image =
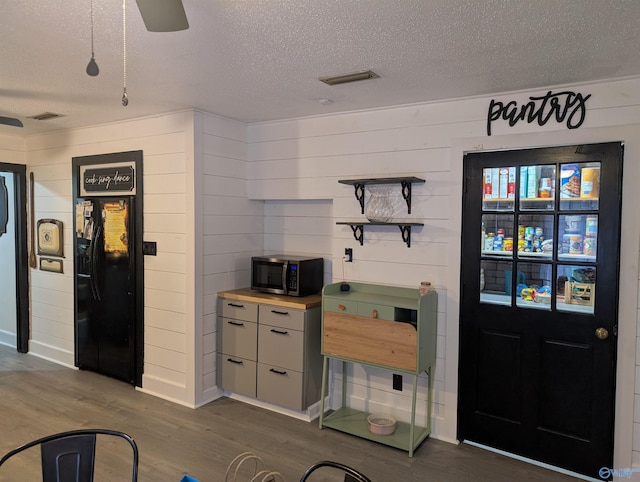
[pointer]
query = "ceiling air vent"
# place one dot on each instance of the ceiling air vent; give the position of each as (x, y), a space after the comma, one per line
(45, 116)
(352, 77)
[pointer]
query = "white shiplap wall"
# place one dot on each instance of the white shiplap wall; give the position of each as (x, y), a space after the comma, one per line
(167, 145)
(231, 226)
(304, 158)
(300, 227)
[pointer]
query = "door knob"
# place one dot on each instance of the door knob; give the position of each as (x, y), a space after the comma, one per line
(375, 314)
(602, 333)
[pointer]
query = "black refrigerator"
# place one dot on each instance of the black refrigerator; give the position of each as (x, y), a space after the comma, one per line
(105, 285)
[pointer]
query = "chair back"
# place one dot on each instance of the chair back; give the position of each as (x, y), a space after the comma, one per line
(350, 474)
(70, 456)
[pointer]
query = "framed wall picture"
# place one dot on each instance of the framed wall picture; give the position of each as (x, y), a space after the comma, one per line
(50, 242)
(51, 264)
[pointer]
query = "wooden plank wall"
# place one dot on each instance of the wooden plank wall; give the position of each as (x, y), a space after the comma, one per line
(232, 227)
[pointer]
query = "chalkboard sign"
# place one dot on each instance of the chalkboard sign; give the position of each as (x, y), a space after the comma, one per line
(108, 179)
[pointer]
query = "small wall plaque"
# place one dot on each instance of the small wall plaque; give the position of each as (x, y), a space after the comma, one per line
(51, 264)
(50, 242)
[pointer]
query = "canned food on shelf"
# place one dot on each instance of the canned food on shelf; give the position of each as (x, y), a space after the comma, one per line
(575, 246)
(508, 244)
(589, 246)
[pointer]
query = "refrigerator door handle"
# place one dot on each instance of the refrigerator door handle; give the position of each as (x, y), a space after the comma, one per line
(93, 265)
(89, 276)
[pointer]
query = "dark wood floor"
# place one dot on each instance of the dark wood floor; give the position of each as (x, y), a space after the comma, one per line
(38, 398)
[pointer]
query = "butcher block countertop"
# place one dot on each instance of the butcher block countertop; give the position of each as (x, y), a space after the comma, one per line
(246, 294)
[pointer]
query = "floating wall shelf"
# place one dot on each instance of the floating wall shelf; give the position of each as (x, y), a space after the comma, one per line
(359, 184)
(405, 182)
(358, 229)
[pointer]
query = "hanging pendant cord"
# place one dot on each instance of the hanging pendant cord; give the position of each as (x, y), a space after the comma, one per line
(125, 99)
(92, 20)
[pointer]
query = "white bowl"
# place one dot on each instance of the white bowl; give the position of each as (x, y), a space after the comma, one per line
(381, 424)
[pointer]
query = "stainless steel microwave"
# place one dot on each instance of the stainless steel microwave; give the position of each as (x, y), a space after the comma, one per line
(287, 275)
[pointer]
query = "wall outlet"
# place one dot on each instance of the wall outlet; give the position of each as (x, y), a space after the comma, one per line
(397, 382)
(348, 255)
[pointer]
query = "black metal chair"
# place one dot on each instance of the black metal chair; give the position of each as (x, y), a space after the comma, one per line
(70, 456)
(350, 474)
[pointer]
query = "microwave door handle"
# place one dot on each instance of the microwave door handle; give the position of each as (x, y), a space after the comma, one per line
(285, 270)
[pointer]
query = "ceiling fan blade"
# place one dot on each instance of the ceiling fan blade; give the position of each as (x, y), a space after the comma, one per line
(163, 15)
(10, 121)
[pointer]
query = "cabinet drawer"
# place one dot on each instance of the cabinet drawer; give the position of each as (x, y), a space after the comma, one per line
(280, 316)
(239, 338)
(280, 386)
(282, 347)
(340, 306)
(240, 310)
(237, 375)
(381, 312)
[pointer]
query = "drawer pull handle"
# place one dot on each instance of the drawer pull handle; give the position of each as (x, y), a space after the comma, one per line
(280, 312)
(235, 305)
(277, 371)
(375, 314)
(279, 332)
(235, 323)
(237, 362)
(342, 307)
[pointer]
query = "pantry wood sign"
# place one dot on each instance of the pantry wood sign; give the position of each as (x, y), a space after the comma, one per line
(563, 107)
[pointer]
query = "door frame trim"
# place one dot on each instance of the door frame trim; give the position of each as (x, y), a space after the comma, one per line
(19, 172)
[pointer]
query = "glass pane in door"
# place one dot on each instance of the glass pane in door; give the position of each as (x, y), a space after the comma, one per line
(495, 282)
(497, 235)
(576, 287)
(579, 186)
(533, 285)
(535, 236)
(537, 187)
(578, 237)
(499, 188)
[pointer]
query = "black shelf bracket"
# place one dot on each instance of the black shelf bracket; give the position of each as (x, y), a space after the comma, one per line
(358, 232)
(358, 229)
(359, 192)
(405, 231)
(406, 194)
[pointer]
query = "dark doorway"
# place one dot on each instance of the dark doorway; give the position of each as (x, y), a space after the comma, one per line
(539, 303)
(18, 217)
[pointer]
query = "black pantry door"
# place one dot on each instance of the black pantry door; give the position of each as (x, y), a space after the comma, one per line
(539, 303)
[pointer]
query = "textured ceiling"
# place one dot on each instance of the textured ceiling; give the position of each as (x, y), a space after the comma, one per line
(256, 60)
